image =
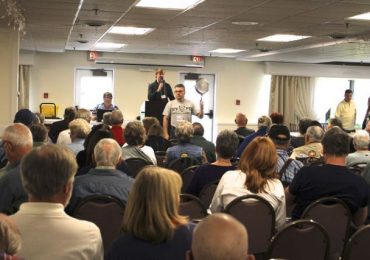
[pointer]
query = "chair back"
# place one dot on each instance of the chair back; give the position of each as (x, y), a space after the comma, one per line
(135, 165)
(180, 164)
(160, 156)
(357, 168)
(186, 176)
(192, 207)
(335, 216)
(258, 216)
(357, 247)
(106, 212)
(301, 239)
(49, 110)
(207, 192)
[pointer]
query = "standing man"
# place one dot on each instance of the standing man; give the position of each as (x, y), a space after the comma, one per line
(179, 110)
(346, 112)
(159, 89)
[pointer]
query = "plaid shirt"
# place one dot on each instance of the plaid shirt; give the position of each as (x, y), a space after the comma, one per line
(292, 169)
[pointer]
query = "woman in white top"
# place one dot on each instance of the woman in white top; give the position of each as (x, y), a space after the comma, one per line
(256, 175)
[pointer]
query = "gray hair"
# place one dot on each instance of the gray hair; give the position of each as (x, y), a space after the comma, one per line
(116, 117)
(315, 134)
(10, 238)
(18, 135)
(226, 144)
(264, 121)
(361, 140)
(107, 152)
(184, 131)
(84, 114)
(47, 169)
(107, 118)
(79, 127)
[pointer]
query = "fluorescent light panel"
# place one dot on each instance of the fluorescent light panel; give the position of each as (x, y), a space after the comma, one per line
(283, 38)
(130, 30)
(109, 45)
(365, 16)
(169, 4)
(226, 50)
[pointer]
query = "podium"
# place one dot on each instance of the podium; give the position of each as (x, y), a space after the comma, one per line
(155, 109)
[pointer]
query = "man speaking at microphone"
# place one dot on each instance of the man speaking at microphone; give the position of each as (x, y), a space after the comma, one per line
(159, 89)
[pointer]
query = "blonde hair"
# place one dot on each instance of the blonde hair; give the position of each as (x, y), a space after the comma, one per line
(259, 161)
(152, 209)
(79, 128)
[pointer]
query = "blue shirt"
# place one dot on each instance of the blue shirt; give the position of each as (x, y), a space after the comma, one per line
(293, 167)
(249, 138)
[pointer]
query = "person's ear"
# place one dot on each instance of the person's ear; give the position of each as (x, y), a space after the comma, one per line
(189, 255)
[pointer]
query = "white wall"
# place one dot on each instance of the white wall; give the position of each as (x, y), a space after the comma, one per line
(54, 73)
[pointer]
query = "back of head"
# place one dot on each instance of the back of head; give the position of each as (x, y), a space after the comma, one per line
(40, 118)
(149, 121)
(198, 129)
(107, 152)
(10, 238)
(361, 140)
(93, 138)
(24, 116)
(79, 128)
(226, 144)
(46, 170)
(135, 133)
(277, 118)
(107, 118)
(280, 135)
(155, 130)
(152, 209)
(258, 161)
(18, 135)
(241, 120)
(304, 123)
(69, 114)
(264, 122)
(39, 132)
(219, 237)
(336, 142)
(314, 134)
(184, 131)
(84, 114)
(116, 117)
(335, 122)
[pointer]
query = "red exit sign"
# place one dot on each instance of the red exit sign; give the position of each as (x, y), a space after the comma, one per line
(197, 58)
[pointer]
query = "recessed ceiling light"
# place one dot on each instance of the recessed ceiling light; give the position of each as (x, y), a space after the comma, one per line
(169, 4)
(365, 16)
(130, 30)
(226, 50)
(109, 45)
(283, 38)
(244, 23)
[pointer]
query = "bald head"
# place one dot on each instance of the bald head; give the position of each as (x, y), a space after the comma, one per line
(241, 120)
(220, 236)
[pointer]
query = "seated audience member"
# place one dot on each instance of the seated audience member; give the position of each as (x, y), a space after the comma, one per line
(361, 144)
(286, 167)
(79, 129)
(134, 146)
(10, 239)
(156, 140)
(148, 122)
(64, 137)
(277, 118)
(241, 122)
(47, 231)
(219, 237)
(331, 179)
(17, 142)
(198, 139)
(264, 124)
(335, 122)
(59, 126)
(107, 118)
(104, 178)
(116, 121)
(40, 118)
(25, 116)
(313, 146)
(39, 134)
(152, 226)
(226, 144)
(256, 175)
(184, 148)
(303, 124)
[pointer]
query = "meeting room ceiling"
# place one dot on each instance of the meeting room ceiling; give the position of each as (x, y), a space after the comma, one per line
(60, 25)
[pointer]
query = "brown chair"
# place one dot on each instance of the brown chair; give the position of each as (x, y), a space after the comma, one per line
(106, 212)
(186, 176)
(135, 165)
(357, 247)
(258, 216)
(180, 164)
(207, 192)
(192, 207)
(300, 240)
(335, 216)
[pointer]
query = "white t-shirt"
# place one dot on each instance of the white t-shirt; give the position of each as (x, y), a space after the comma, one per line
(180, 111)
(232, 185)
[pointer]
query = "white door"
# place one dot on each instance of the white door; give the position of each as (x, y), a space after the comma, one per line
(189, 81)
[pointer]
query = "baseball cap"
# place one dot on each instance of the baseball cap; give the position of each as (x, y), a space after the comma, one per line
(279, 132)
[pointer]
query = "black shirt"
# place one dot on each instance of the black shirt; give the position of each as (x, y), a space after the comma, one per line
(154, 95)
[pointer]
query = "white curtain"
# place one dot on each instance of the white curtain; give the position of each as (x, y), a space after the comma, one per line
(24, 86)
(292, 96)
